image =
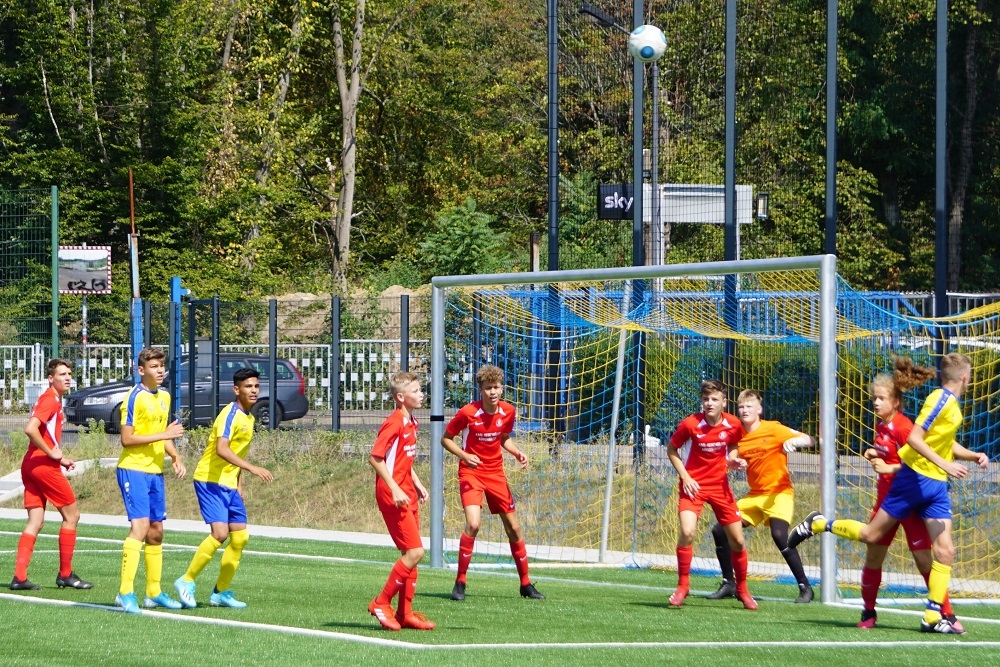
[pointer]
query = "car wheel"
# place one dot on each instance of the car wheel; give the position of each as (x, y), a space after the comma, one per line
(261, 412)
(116, 420)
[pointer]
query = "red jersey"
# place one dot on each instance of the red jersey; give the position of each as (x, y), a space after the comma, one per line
(48, 410)
(485, 433)
(707, 445)
(889, 439)
(397, 444)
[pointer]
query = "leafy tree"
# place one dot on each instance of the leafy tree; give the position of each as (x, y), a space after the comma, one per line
(463, 242)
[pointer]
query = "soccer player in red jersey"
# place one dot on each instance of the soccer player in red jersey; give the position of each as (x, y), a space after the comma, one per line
(43, 479)
(398, 492)
(763, 451)
(708, 437)
(891, 433)
(489, 422)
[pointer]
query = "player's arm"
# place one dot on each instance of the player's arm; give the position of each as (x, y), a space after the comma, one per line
(33, 429)
(132, 439)
(916, 441)
(399, 497)
(175, 458)
(508, 444)
(733, 459)
(690, 486)
(448, 442)
(422, 494)
(963, 454)
(797, 441)
(227, 454)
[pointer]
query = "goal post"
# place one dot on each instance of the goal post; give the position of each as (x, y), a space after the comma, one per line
(619, 310)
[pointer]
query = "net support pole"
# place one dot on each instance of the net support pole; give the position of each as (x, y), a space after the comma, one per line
(612, 446)
(438, 368)
(828, 421)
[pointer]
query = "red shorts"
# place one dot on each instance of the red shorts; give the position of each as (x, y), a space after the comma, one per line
(719, 497)
(473, 485)
(917, 537)
(403, 523)
(44, 481)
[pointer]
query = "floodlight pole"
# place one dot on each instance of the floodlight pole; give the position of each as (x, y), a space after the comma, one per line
(553, 147)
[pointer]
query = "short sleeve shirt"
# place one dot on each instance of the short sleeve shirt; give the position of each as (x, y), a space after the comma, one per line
(396, 443)
(48, 410)
(767, 464)
(147, 412)
(941, 417)
(485, 433)
(236, 426)
(706, 445)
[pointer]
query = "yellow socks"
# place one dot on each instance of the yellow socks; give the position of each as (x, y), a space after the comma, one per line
(154, 569)
(231, 558)
(937, 588)
(130, 564)
(202, 557)
(848, 528)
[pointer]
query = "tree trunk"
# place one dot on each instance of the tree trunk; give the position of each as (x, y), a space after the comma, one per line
(962, 171)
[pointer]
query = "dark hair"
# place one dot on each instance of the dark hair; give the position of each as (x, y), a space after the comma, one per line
(150, 354)
(244, 374)
(711, 387)
(50, 368)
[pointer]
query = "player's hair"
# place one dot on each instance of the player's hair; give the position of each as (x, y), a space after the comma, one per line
(711, 387)
(50, 368)
(750, 394)
(399, 381)
(954, 366)
(244, 374)
(150, 354)
(905, 376)
(489, 374)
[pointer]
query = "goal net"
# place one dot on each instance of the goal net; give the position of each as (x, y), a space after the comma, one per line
(603, 364)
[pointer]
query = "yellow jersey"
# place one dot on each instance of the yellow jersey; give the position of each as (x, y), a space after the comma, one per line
(941, 417)
(237, 427)
(147, 412)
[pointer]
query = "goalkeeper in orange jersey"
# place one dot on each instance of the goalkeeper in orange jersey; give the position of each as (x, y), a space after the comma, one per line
(921, 486)
(763, 452)
(489, 423)
(707, 438)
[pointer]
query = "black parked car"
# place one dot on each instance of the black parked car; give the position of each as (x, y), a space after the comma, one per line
(104, 402)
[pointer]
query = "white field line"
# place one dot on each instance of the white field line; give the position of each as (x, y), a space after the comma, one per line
(392, 643)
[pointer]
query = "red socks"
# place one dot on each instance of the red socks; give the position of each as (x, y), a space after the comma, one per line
(684, 556)
(395, 583)
(67, 542)
(740, 559)
(25, 546)
(465, 545)
(871, 579)
(520, 554)
(406, 595)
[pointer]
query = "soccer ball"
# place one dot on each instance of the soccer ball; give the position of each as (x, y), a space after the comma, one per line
(647, 43)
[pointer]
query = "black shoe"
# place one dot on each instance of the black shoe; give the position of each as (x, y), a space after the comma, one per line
(805, 594)
(802, 531)
(458, 591)
(868, 619)
(530, 591)
(23, 585)
(727, 589)
(73, 581)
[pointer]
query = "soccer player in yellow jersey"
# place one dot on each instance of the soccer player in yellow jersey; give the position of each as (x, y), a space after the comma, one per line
(218, 483)
(146, 436)
(763, 453)
(920, 486)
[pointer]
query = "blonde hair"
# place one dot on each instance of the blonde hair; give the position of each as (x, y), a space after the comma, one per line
(489, 374)
(954, 366)
(400, 380)
(905, 376)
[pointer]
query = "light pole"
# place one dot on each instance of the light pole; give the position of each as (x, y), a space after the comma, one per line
(605, 20)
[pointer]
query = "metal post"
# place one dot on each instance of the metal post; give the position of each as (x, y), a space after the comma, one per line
(730, 303)
(215, 356)
(438, 366)
(192, 363)
(272, 363)
(638, 75)
(656, 238)
(831, 127)
(335, 364)
(612, 447)
(404, 332)
(83, 341)
(828, 421)
(174, 347)
(941, 306)
(552, 9)
(54, 245)
(476, 356)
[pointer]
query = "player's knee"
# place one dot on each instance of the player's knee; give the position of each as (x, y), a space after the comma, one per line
(471, 528)
(719, 534)
(220, 534)
(239, 538)
(71, 515)
(154, 535)
(413, 556)
(944, 553)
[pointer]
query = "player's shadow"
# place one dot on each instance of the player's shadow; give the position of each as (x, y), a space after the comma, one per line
(358, 626)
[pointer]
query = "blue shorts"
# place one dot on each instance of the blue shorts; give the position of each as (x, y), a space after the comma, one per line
(144, 495)
(913, 492)
(220, 504)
